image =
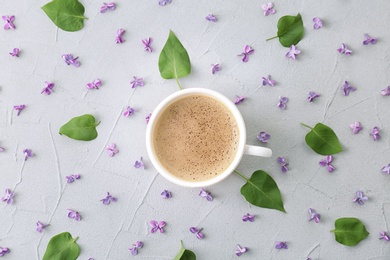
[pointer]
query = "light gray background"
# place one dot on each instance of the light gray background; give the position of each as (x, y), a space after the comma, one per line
(107, 231)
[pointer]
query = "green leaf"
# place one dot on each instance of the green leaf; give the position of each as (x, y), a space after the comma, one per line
(262, 191)
(80, 128)
(349, 231)
(62, 247)
(185, 254)
(68, 15)
(174, 61)
(290, 30)
(323, 140)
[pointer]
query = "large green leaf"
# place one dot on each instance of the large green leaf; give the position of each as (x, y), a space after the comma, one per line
(81, 128)
(290, 30)
(349, 231)
(62, 247)
(323, 140)
(185, 254)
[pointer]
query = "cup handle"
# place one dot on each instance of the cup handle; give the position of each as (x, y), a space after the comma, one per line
(257, 151)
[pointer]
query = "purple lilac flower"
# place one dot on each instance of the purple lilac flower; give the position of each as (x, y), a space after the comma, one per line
(268, 9)
(139, 164)
(263, 137)
(312, 96)
(215, 67)
(268, 81)
(19, 108)
(74, 214)
(15, 52)
(112, 150)
(157, 226)
(238, 100)
(369, 39)
(41, 226)
(344, 50)
(166, 194)
(147, 118)
(72, 178)
(119, 39)
(282, 161)
(347, 88)
(247, 51)
(164, 2)
(375, 133)
(317, 23)
(384, 236)
(107, 6)
(2, 149)
(281, 245)
(95, 84)
(27, 153)
(9, 22)
(48, 89)
(211, 18)
(129, 111)
(8, 197)
(241, 250)
(146, 42)
(196, 231)
(68, 58)
(386, 91)
(205, 194)
(4, 251)
(314, 215)
(327, 162)
(134, 248)
(360, 198)
(356, 127)
(137, 82)
(248, 217)
(293, 51)
(386, 169)
(108, 199)
(282, 102)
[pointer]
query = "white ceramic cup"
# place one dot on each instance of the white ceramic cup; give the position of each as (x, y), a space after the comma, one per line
(242, 148)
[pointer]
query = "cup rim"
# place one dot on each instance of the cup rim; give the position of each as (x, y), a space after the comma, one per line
(186, 92)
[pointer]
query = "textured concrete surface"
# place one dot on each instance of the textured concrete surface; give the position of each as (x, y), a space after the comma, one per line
(41, 191)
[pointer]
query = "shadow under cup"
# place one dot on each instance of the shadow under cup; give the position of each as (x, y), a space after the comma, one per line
(179, 105)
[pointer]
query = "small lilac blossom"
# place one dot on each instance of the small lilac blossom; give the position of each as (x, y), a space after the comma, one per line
(4, 251)
(248, 217)
(9, 22)
(137, 82)
(247, 51)
(134, 248)
(360, 198)
(386, 169)
(15, 52)
(119, 39)
(268, 9)
(108, 199)
(356, 127)
(384, 236)
(8, 197)
(369, 39)
(147, 118)
(314, 215)
(205, 194)
(282, 102)
(95, 84)
(281, 245)
(293, 51)
(68, 58)
(196, 231)
(241, 250)
(164, 2)
(74, 214)
(268, 81)
(71, 178)
(129, 111)
(263, 137)
(139, 164)
(344, 50)
(19, 108)
(27, 153)
(238, 100)
(327, 162)
(312, 96)
(166, 194)
(112, 150)
(146, 42)
(41, 226)
(211, 18)
(215, 67)
(347, 88)
(386, 91)
(49, 88)
(317, 23)
(107, 6)
(157, 226)
(282, 161)
(2, 149)
(375, 133)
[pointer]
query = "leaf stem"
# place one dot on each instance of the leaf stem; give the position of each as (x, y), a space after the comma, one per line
(98, 123)
(241, 175)
(178, 83)
(272, 38)
(74, 240)
(306, 126)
